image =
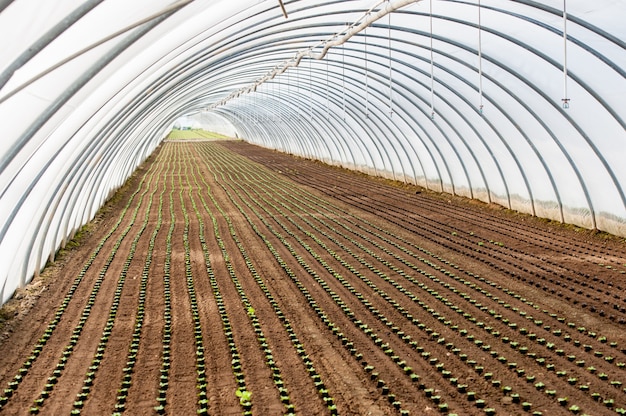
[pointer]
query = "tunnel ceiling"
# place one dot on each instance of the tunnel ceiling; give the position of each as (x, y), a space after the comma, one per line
(509, 102)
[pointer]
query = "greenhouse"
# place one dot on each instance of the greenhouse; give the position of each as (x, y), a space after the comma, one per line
(313, 207)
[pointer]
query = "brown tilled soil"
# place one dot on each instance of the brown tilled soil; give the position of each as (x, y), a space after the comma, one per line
(336, 293)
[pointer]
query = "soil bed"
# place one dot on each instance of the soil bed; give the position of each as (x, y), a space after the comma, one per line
(226, 279)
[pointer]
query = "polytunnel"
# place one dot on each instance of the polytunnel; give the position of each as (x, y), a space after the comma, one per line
(508, 102)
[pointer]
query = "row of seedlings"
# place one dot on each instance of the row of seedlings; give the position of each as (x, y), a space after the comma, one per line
(335, 329)
(601, 286)
(531, 378)
(434, 336)
(133, 348)
(52, 325)
(96, 361)
(69, 348)
(321, 388)
(242, 393)
(166, 350)
(570, 380)
(592, 334)
(450, 346)
(261, 339)
(443, 406)
(480, 254)
(551, 346)
(614, 382)
(201, 379)
(519, 371)
(433, 361)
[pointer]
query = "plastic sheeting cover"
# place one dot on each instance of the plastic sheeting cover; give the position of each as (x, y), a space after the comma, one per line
(457, 96)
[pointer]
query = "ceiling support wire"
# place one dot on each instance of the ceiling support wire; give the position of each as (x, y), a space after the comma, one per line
(343, 80)
(289, 114)
(565, 98)
(254, 114)
(298, 91)
(432, 66)
(280, 100)
(480, 61)
(311, 89)
(275, 98)
(390, 69)
(367, 104)
(327, 89)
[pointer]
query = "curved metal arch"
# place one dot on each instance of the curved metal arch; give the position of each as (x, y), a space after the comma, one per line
(80, 82)
(267, 103)
(386, 159)
(451, 175)
(467, 176)
(591, 206)
(46, 38)
(575, 125)
(577, 42)
(536, 116)
(457, 133)
(381, 96)
(110, 151)
(573, 18)
(344, 146)
(360, 70)
(355, 82)
(459, 114)
(322, 120)
(270, 102)
(4, 4)
(353, 134)
(267, 131)
(42, 119)
(381, 157)
(355, 109)
(505, 114)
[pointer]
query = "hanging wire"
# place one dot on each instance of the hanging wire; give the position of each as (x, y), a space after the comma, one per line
(298, 90)
(343, 80)
(432, 65)
(255, 114)
(280, 100)
(565, 98)
(272, 116)
(390, 73)
(480, 60)
(327, 92)
(311, 88)
(367, 110)
(287, 115)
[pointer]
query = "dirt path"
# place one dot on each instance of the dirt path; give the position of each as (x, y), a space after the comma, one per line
(232, 279)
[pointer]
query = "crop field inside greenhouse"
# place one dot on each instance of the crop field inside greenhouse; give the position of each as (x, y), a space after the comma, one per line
(229, 279)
